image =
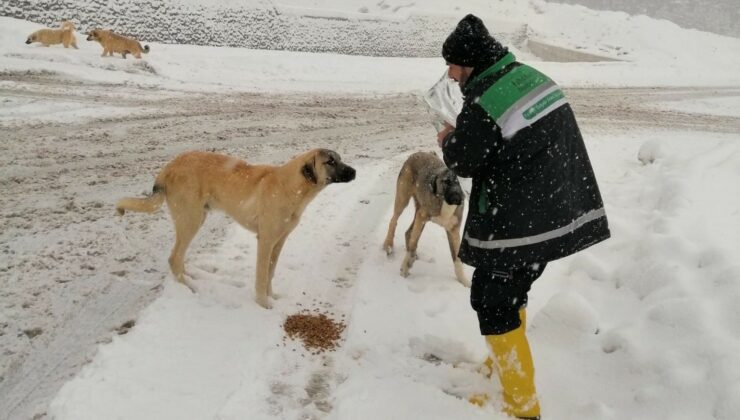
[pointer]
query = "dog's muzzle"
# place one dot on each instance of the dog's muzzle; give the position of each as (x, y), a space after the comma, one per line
(28, 41)
(345, 174)
(89, 38)
(454, 198)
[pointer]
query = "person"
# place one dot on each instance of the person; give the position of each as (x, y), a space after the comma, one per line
(534, 196)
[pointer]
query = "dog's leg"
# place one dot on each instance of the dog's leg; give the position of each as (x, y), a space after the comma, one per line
(403, 195)
(453, 238)
(265, 247)
(273, 263)
(187, 219)
(412, 240)
(402, 200)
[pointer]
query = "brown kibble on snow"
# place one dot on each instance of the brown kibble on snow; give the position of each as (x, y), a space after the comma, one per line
(318, 332)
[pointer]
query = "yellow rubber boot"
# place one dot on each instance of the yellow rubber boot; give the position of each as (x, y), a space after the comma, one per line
(487, 368)
(513, 364)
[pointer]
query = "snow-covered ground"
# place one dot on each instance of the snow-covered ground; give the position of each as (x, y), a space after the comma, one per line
(642, 326)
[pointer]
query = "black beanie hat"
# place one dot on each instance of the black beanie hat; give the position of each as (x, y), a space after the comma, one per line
(470, 44)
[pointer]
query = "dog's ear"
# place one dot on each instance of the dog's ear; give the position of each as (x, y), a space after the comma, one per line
(309, 173)
(434, 185)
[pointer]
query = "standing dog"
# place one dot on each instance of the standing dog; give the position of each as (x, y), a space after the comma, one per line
(437, 197)
(267, 200)
(65, 36)
(112, 42)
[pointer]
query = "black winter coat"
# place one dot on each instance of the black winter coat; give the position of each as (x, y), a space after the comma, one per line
(534, 196)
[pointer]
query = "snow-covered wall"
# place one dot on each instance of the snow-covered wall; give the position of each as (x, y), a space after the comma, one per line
(254, 24)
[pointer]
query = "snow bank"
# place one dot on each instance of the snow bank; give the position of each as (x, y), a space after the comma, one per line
(221, 69)
(651, 53)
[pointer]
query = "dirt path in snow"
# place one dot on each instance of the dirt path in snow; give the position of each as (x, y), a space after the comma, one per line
(64, 255)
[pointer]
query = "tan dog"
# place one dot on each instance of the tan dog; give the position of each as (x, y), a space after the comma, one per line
(267, 200)
(114, 43)
(65, 36)
(437, 197)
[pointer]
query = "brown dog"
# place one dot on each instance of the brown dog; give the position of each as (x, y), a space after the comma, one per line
(65, 36)
(267, 200)
(437, 197)
(112, 42)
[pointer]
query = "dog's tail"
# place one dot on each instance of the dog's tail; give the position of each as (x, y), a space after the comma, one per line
(143, 205)
(145, 50)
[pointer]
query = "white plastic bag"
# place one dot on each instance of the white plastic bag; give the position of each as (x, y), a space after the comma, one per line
(444, 102)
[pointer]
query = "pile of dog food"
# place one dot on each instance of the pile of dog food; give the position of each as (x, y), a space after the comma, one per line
(317, 331)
